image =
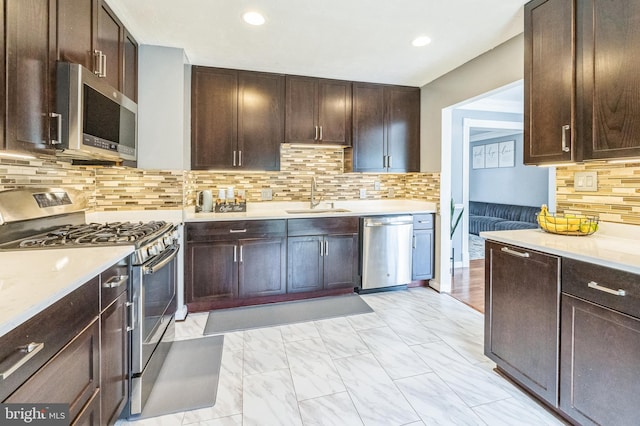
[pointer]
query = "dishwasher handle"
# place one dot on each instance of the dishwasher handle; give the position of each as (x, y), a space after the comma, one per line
(388, 221)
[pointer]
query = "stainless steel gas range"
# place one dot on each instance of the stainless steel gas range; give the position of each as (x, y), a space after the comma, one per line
(52, 218)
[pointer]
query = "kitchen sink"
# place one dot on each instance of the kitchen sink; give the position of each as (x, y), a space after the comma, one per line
(306, 211)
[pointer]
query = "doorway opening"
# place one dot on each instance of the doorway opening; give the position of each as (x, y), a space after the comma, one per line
(484, 148)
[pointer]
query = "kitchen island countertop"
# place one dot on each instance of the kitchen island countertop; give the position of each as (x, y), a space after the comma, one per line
(613, 245)
(32, 280)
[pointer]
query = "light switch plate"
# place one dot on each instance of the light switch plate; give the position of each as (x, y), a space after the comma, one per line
(363, 193)
(585, 181)
(376, 185)
(266, 194)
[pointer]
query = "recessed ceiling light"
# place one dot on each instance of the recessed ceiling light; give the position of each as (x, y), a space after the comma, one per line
(421, 41)
(253, 18)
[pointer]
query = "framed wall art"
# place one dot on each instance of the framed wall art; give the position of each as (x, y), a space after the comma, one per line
(506, 154)
(478, 157)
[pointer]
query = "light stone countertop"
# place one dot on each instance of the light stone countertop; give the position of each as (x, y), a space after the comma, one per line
(32, 280)
(278, 210)
(613, 245)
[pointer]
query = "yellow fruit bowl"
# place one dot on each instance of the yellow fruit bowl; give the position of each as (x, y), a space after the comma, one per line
(567, 224)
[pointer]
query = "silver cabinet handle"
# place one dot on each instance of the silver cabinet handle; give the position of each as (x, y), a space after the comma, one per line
(58, 118)
(384, 161)
(315, 138)
(513, 252)
(414, 241)
(321, 248)
(320, 132)
(237, 231)
(594, 285)
(565, 147)
(241, 259)
(235, 254)
(239, 158)
(115, 281)
(23, 354)
(132, 315)
(234, 158)
(326, 248)
(97, 54)
(389, 161)
(104, 65)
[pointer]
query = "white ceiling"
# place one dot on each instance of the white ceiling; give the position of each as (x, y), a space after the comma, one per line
(360, 40)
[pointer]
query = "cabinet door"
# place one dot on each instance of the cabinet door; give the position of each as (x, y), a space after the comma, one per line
(211, 271)
(340, 261)
(75, 31)
(521, 321)
(422, 254)
(599, 372)
(334, 112)
(30, 61)
(114, 346)
(214, 119)
(301, 109)
(71, 377)
(610, 78)
(368, 128)
(109, 41)
(130, 51)
(549, 81)
(305, 256)
(402, 126)
(260, 120)
(262, 267)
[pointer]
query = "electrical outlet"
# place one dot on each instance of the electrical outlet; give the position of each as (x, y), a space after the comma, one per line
(363, 193)
(376, 185)
(391, 193)
(266, 194)
(585, 181)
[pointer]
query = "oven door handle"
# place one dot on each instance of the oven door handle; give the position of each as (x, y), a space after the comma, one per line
(162, 261)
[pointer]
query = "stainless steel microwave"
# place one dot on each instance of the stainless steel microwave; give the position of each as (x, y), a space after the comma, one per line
(95, 121)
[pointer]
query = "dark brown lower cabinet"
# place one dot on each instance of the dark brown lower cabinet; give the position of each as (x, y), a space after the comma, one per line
(228, 262)
(71, 377)
(599, 369)
(114, 348)
(322, 254)
(522, 290)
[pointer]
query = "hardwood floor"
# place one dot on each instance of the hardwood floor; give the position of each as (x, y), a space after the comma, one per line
(468, 285)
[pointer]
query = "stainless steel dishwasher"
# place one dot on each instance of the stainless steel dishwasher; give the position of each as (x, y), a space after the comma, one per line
(386, 251)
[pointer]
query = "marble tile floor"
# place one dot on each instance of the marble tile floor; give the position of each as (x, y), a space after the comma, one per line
(417, 360)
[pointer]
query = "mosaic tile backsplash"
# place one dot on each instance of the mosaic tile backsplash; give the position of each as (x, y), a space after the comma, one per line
(121, 188)
(617, 198)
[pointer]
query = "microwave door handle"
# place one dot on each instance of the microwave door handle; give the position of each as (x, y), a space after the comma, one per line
(58, 118)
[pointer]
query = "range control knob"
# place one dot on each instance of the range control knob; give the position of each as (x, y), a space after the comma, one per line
(153, 250)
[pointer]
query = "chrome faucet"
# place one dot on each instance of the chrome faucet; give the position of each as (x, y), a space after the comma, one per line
(314, 188)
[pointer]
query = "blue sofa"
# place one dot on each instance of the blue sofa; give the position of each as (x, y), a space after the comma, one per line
(500, 217)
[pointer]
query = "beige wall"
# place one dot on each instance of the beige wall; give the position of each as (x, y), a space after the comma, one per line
(493, 69)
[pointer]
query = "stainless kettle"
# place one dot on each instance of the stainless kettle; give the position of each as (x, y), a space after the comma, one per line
(204, 201)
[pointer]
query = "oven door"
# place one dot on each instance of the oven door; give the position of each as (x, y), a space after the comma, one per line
(153, 297)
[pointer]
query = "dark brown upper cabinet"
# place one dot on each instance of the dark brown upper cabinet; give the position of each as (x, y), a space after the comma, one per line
(237, 119)
(90, 34)
(386, 128)
(30, 74)
(130, 66)
(609, 60)
(317, 111)
(581, 81)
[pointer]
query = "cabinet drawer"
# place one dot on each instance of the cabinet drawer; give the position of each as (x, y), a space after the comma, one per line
(422, 221)
(225, 230)
(592, 282)
(71, 377)
(322, 225)
(113, 282)
(54, 327)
